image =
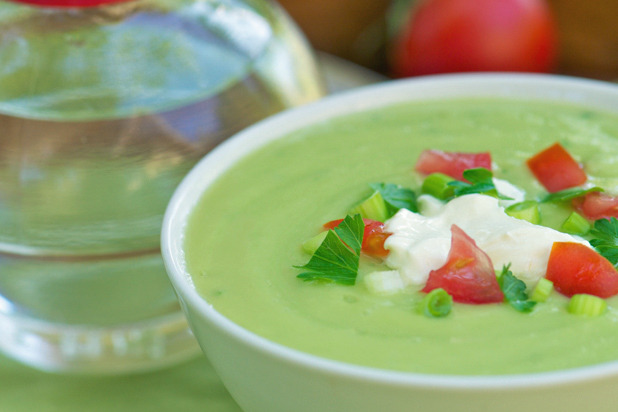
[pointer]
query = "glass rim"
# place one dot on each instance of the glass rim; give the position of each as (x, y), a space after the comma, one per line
(69, 3)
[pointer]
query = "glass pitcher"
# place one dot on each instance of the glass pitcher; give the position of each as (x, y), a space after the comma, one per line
(104, 107)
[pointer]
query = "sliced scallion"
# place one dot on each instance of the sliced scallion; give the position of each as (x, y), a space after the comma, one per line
(311, 245)
(586, 305)
(542, 290)
(576, 224)
(373, 208)
(526, 210)
(436, 304)
(437, 185)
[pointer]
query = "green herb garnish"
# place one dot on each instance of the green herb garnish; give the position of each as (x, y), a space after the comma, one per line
(514, 291)
(436, 304)
(374, 208)
(527, 210)
(311, 245)
(586, 305)
(605, 241)
(337, 257)
(569, 194)
(542, 290)
(575, 224)
(437, 185)
(396, 197)
(481, 181)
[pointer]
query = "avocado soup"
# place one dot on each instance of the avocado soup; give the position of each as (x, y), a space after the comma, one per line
(245, 236)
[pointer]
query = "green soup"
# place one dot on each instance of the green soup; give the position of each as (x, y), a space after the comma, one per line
(245, 235)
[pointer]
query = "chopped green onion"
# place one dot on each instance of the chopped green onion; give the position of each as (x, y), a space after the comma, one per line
(576, 224)
(527, 210)
(586, 305)
(571, 193)
(373, 208)
(437, 185)
(311, 245)
(436, 304)
(542, 290)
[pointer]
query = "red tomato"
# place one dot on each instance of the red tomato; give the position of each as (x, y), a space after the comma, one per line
(468, 275)
(555, 169)
(575, 268)
(445, 36)
(374, 237)
(597, 205)
(452, 164)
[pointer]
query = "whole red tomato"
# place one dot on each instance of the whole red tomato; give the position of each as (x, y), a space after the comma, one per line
(446, 36)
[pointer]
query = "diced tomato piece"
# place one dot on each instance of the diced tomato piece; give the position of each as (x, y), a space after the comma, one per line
(597, 205)
(374, 237)
(575, 268)
(556, 169)
(452, 164)
(468, 275)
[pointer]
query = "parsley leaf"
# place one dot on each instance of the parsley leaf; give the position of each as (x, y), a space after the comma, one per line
(351, 231)
(337, 257)
(396, 197)
(568, 194)
(514, 291)
(605, 240)
(481, 181)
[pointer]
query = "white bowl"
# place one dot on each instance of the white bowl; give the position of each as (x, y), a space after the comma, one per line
(265, 376)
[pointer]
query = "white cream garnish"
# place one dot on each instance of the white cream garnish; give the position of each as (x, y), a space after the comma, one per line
(421, 243)
(387, 282)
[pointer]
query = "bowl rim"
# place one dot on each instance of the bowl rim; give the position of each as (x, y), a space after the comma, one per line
(519, 85)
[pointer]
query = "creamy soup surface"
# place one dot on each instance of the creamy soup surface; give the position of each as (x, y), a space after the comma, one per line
(245, 236)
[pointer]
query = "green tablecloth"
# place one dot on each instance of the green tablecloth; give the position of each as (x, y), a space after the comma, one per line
(192, 386)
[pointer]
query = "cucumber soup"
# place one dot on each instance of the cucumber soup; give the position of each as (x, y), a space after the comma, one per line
(244, 238)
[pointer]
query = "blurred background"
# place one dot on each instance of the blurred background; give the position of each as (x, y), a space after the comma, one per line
(365, 31)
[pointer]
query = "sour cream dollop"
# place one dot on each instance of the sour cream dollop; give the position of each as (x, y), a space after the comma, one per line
(420, 244)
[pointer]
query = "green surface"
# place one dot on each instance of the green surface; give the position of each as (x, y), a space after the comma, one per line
(192, 386)
(247, 231)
